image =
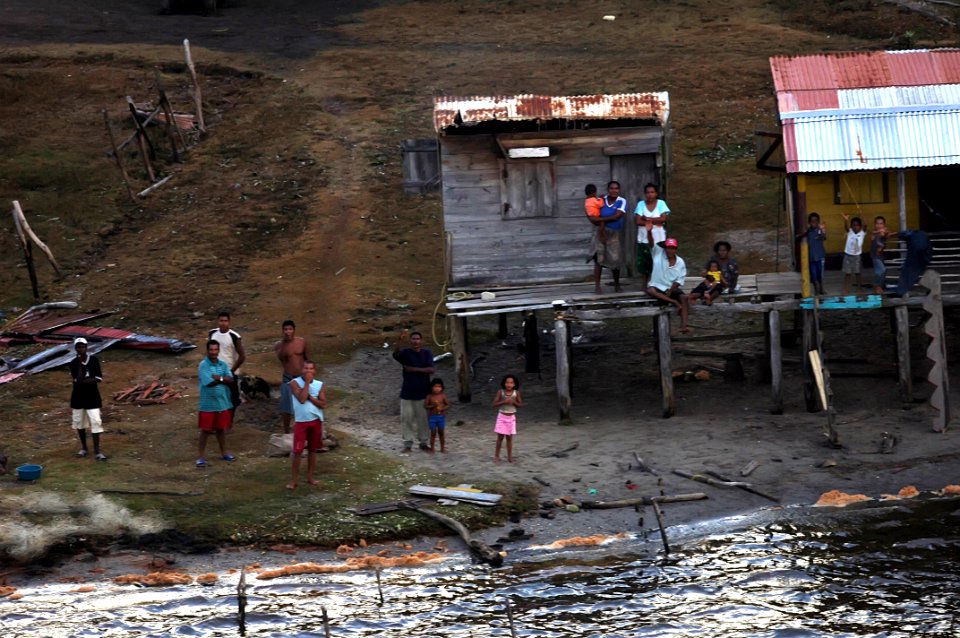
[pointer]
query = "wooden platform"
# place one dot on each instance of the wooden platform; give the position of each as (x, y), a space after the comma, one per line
(468, 302)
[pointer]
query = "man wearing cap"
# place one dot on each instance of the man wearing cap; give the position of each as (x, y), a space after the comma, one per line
(85, 399)
(669, 274)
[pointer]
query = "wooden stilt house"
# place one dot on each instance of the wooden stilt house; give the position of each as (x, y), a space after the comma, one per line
(513, 172)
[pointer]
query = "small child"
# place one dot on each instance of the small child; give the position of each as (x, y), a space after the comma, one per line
(591, 206)
(437, 405)
(878, 244)
(815, 236)
(852, 251)
(508, 400)
(713, 282)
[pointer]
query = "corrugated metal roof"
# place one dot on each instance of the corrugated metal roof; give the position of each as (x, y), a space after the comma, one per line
(869, 111)
(455, 111)
(884, 141)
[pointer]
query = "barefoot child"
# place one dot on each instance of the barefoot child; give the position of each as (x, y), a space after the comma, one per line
(878, 244)
(309, 399)
(508, 400)
(816, 236)
(852, 251)
(437, 405)
(709, 289)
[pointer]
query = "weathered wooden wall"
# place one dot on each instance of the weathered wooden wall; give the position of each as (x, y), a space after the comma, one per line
(487, 249)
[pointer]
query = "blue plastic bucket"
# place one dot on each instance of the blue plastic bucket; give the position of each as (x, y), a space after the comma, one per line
(29, 472)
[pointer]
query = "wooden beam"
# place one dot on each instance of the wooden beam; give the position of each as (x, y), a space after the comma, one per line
(809, 343)
(561, 333)
(662, 323)
(116, 156)
(904, 374)
(458, 344)
(902, 198)
(197, 94)
(27, 255)
(776, 363)
(24, 226)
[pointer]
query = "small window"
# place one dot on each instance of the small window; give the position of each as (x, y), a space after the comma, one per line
(861, 188)
(528, 188)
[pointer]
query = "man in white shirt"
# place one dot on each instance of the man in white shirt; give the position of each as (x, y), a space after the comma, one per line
(231, 351)
(669, 274)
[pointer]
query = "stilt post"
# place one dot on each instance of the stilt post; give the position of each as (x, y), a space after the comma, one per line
(502, 326)
(904, 372)
(666, 372)
(809, 343)
(561, 333)
(458, 343)
(776, 362)
(531, 343)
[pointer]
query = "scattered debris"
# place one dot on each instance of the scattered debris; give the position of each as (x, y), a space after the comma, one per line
(561, 454)
(643, 467)
(584, 541)
(720, 481)
(748, 469)
(147, 393)
(155, 579)
(541, 481)
(483, 551)
(905, 492)
(354, 563)
(459, 494)
(888, 442)
(836, 498)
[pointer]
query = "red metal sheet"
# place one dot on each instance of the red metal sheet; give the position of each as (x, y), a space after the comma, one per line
(39, 325)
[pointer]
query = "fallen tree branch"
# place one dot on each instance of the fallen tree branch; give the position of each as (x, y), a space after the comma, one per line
(483, 551)
(643, 500)
(159, 492)
(700, 478)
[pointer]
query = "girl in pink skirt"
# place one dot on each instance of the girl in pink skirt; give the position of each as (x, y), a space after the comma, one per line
(508, 400)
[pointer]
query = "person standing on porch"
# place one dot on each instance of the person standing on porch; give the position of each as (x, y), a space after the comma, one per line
(651, 214)
(418, 367)
(605, 247)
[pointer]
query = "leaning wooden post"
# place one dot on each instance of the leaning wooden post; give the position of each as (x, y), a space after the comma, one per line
(27, 255)
(142, 141)
(666, 372)
(561, 332)
(197, 95)
(171, 123)
(25, 228)
(116, 156)
(809, 343)
(458, 343)
(776, 362)
(904, 372)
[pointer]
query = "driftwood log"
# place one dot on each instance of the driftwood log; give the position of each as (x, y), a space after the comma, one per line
(483, 551)
(723, 482)
(642, 500)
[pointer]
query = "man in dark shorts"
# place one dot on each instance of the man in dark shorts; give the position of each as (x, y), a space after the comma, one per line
(417, 363)
(215, 407)
(292, 352)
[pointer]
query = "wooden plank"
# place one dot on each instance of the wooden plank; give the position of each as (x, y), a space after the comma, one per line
(561, 333)
(461, 178)
(469, 144)
(476, 498)
(468, 162)
(904, 374)
(565, 139)
(666, 372)
(641, 147)
(776, 362)
(934, 328)
(458, 345)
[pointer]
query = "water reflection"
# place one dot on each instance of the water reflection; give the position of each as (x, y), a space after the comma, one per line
(891, 579)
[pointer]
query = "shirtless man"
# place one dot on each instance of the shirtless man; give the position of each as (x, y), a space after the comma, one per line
(292, 352)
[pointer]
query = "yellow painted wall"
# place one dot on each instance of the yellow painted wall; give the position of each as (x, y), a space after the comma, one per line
(820, 199)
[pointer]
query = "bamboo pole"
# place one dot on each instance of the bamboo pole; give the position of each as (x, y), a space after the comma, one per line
(25, 227)
(904, 373)
(561, 333)
(116, 156)
(662, 323)
(776, 362)
(197, 94)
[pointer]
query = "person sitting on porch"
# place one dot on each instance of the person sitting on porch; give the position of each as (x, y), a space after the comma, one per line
(669, 273)
(728, 266)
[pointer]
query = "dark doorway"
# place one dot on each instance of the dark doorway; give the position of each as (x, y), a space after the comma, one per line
(633, 172)
(939, 208)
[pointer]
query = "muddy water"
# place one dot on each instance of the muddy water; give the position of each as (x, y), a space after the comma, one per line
(886, 577)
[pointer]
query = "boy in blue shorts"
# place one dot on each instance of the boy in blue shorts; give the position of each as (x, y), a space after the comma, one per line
(437, 404)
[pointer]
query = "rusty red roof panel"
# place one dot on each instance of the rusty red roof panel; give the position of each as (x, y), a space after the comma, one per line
(33, 325)
(456, 111)
(864, 70)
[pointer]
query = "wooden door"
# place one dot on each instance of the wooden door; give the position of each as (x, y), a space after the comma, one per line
(633, 172)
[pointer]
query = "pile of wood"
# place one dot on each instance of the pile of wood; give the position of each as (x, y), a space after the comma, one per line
(147, 393)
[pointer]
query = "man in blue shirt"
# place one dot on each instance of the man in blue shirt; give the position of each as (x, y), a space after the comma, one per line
(215, 407)
(605, 246)
(418, 367)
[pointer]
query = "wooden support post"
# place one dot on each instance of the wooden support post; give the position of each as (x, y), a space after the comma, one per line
(561, 332)
(764, 372)
(458, 343)
(902, 199)
(24, 226)
(666, 372)
(27, 255)
(502, 326)
(904, 371)
(531, 343)
(776, 362)
(171, 123)
(809, 343)
(142, 142)
(116, 156)
(197, 94)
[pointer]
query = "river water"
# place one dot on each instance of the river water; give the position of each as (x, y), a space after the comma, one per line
(888, 576)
